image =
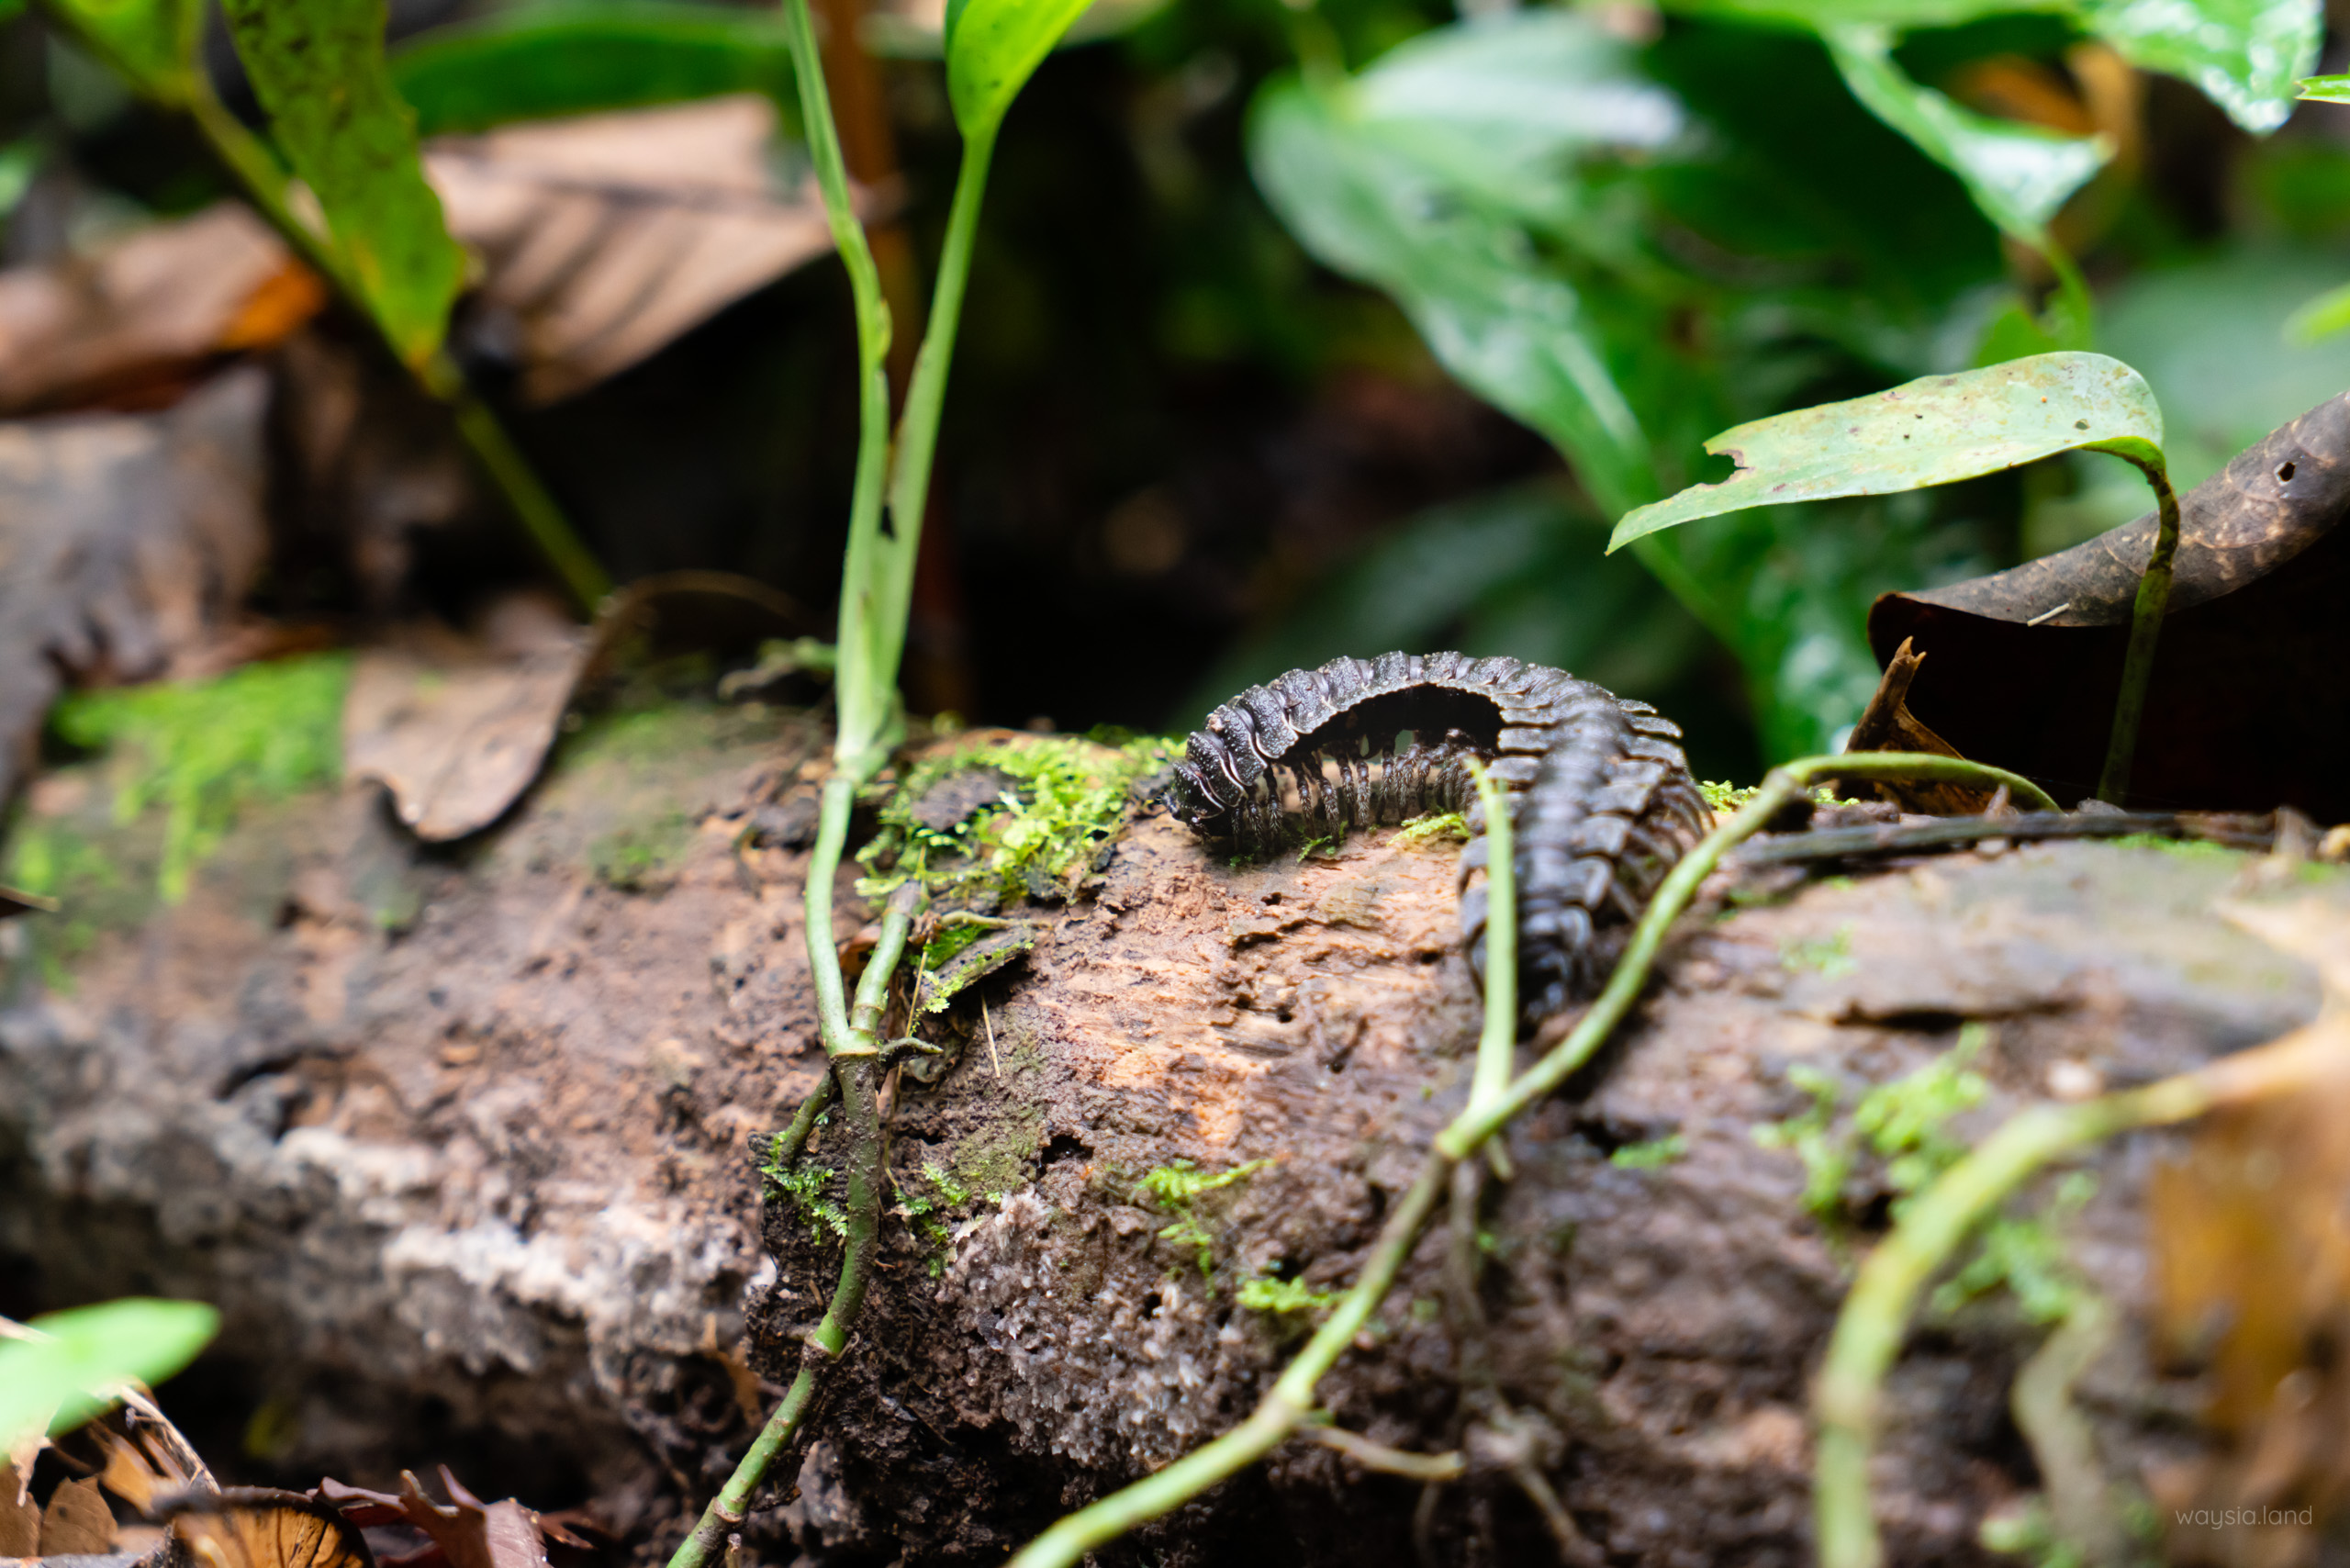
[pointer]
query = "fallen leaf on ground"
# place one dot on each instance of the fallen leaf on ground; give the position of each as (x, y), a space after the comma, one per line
(456, 730)
(2252, 1276)
(604, 236)
(2245, 708)
(469, 1532)
(135, 322)
(1886, 724)
(127, 542)
(77, 1521)
(251, 1527)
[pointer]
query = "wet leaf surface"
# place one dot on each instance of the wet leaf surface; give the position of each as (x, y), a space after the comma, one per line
(2245, 708)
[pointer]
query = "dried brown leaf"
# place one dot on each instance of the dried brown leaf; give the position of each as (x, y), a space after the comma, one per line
(77, 1521)
(19, 1519)
(257, 1528)
(136, 322)
(469, 1532)
(457, 732)
(2251, 1254)
(605, 236)
(2245, 708)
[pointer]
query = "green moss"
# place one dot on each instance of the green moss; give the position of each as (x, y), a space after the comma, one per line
(995, 1161)
(951, 1191)
(806, 1189)
(1068, 797)
(1176, 1189)
(1828, 956)
(2025, 1255)
(2185, 849)
(1283, 1296)
(1902, 1123)
(642, 855)
(1435, 824)
(201, 754)
(1651, 1155)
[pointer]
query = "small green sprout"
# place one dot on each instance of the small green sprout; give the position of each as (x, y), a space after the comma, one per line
(1176, 1188)
(1433, 824)
(1283, 1296)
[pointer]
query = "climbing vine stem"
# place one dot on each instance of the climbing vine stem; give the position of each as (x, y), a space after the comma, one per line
(1291, 1402)
(1877, 1313)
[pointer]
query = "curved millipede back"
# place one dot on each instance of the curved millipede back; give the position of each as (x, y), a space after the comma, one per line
(1601, 798)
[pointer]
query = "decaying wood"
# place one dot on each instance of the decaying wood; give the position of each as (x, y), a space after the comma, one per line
(462, 1145)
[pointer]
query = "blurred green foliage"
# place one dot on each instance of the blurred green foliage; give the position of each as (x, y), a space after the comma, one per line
(1626, 227)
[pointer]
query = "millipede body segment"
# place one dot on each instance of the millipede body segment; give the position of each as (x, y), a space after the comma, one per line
(1599, 792)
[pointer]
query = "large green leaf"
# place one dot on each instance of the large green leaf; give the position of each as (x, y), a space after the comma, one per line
(1931, 432)
(151, 42)
(59, 1380)
(1517, 334)
(2017, 174)
(318, 68)
(577, 59)
(2243, 54)
(992, 48)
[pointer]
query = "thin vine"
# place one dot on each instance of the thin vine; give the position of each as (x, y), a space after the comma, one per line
(1291, 1402)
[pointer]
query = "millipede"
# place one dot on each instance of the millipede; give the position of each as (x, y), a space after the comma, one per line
(1599, 792)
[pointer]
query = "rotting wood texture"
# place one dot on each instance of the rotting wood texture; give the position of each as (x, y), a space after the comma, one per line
(463, 1146)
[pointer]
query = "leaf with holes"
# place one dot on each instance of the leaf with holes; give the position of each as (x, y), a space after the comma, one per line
(1934, 430)
(318, 68)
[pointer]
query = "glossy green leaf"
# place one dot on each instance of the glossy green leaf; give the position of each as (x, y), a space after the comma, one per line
(318, 67)
(56, 1381)
(2243, 54)
(547, 62)
(1517, 335)
(2325, 89)
(912, 35)
(1935, 430)
(2017, 174)
(151, 42)
(992, 48)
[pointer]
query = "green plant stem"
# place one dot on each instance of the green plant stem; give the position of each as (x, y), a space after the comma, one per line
(1291, 1402)
(855, 1063)
(501, 462)
(1497, 1048)
(1780, 787)
(876, 580)
(1876, 1314)
(2145, 628)
(864, 684)
(1276, 1417)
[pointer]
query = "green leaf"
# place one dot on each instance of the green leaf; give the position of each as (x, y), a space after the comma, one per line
(318, 68)
(2325, 89)
(2243, 54)
(992, 48)
(2017, 174)
(1363, 202)
(2320, 318)
(581, 58)
(151, 42)
(54, 1384)
(1931, 432)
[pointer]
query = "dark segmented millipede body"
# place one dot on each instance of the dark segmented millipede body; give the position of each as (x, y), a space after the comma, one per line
(1600, 796)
